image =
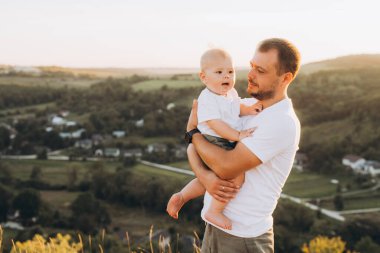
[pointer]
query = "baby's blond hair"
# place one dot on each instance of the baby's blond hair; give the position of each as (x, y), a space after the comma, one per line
(212, 54)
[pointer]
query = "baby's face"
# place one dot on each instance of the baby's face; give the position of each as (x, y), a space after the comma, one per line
(219, 76)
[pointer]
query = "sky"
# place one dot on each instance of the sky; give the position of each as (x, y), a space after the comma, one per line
(174, 33)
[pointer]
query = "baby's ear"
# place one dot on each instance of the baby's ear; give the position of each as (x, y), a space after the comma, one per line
(202, 76)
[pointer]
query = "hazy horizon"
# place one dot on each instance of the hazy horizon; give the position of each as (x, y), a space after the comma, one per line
(172, 34)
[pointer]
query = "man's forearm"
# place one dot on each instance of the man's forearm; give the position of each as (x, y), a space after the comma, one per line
(227, 164)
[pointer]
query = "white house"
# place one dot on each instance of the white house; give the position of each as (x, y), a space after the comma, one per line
(58, 121)
(136, 152)
(180, 151)
(70, 123)
(300, 160)
(170, 106)
(156, 148)
(65, 135)
(111, 152)
(372, 168)
(118, 134)
(78, 133)
(353, 161)
(99, 152)
(139, 123)
(85, 144)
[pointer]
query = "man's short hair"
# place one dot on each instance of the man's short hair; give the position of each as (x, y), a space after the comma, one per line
(289, 58)
(211, 54)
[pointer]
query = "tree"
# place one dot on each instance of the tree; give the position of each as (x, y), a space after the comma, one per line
(4, 138)
(5, 172)
(42, 154)
(338, 202)
(88, 213)
(367, 245)
(72, 176)
(28, 202)
(5, 200)
(353, 229)
(36, 173)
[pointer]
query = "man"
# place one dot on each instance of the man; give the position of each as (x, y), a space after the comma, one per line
(266, 157)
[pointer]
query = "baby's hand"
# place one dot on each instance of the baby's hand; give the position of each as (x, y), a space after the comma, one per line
(246, 133)
(256, 108)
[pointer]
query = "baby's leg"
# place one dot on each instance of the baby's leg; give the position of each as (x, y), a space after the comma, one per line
(215, 213)
(192, 190)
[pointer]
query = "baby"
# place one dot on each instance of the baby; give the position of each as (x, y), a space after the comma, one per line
(219, 107)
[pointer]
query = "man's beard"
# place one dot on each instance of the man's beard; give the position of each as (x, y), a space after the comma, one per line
(264, 95)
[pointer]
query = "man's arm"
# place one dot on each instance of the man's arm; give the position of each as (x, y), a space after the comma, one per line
(219, 189)
(227, 164)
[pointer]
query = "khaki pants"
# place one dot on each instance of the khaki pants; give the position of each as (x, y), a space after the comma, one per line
(217, 241)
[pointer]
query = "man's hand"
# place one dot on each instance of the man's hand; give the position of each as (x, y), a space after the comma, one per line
(193, 118)
(222, 190)
(219, 189)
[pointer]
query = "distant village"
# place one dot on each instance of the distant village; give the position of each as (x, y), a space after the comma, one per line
(97, 146)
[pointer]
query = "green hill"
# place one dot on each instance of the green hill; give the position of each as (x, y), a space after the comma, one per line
(345, 62)
(338, 110)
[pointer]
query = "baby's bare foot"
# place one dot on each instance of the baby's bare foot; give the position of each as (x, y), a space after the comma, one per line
(218, 219)
(175, 204)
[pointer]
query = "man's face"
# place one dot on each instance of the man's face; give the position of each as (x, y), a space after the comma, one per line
(263, 80)
(219, 76)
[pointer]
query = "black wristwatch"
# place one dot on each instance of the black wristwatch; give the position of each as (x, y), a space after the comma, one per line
(189, 135)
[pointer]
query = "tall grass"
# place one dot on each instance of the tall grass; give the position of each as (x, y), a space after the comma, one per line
(65, 244)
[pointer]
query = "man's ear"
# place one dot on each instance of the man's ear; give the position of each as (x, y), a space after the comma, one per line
(287, 78)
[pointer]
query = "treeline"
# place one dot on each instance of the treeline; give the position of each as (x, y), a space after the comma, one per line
(17, 96)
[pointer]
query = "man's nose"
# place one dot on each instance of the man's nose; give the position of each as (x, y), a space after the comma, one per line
(251, 73)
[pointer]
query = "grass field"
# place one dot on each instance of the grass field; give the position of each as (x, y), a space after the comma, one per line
(54, 172)
(157, 84)
(182, 165)
(151, 171)
(312, 185)
(362, 201)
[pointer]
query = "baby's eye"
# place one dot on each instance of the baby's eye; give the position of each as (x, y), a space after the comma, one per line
(231, 72)
(218, 72)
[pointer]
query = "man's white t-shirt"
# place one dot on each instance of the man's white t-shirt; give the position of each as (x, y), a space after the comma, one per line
(213, 106)
(275, 142)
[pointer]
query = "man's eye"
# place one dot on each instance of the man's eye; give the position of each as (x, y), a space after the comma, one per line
(260, 71)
